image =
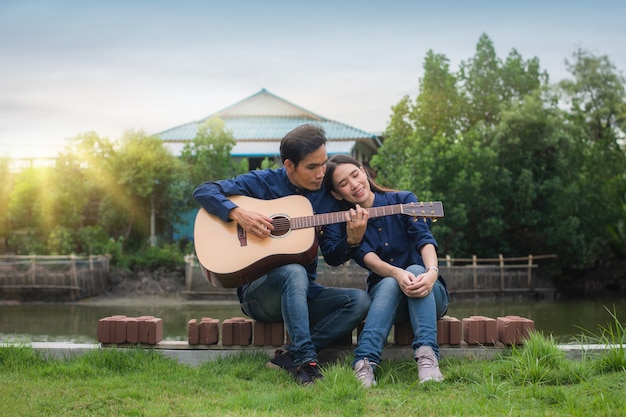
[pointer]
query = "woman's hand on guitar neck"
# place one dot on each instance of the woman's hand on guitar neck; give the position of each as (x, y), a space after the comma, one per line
(356, 224)
(252, 222)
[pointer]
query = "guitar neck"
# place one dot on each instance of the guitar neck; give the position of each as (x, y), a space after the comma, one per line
(339, 216)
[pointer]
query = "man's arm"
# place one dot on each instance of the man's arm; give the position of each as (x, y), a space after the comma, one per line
(213, 197)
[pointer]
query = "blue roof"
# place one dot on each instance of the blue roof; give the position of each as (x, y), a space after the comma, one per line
(252, 149)
(267, 128)
(263, 119)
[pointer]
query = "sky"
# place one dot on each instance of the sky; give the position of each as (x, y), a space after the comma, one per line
(69, 67)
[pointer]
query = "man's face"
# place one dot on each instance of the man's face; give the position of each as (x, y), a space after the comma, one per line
(309, 174)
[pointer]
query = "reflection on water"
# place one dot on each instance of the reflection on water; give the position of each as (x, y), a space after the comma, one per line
(77, 322)
(562, 319)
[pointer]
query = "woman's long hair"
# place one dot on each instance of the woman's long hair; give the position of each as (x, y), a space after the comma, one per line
(337, 160)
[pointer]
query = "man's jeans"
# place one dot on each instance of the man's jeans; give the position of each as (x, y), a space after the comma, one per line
(390, 305)
(312, 324)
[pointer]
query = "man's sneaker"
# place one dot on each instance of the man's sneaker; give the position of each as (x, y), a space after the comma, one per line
(365, 372)
(281, 360)
(308, 373)
(427, 365)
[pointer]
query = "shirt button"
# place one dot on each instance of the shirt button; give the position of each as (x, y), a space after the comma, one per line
(380, 229)
(386, 243)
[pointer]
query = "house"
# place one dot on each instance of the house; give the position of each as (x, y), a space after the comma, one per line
(259, 122)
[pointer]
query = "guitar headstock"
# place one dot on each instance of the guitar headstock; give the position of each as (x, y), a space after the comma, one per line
(424, 210)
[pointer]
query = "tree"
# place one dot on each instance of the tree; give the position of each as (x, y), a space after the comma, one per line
(5, 194)
(208, 154)
(207, 157)
(29, 209)
(393, 160)
(143, 171)
(127, 182)
(493, 145)
(596, 96)
(438, 107)
(542, 204)
(481, 83)
(435, 113)
(597, 101)
(490, 85)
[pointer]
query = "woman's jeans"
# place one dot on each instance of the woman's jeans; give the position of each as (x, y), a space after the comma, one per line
(312, 324)
(390, 305)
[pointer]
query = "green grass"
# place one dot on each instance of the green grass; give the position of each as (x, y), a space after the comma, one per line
(536, 379)
(612, 335)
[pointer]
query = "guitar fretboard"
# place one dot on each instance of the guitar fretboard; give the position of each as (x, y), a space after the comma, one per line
(410, 209)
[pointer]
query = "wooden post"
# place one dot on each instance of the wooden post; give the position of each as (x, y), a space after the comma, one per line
(189, 267)
(501, 273)
(33, 267)
(530, 272)
(73, 272)
(475, 267)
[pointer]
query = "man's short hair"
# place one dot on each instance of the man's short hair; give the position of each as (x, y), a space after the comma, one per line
(301, 141)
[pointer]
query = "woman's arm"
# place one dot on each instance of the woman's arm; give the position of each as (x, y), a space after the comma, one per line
(423, 283)
(411, 285)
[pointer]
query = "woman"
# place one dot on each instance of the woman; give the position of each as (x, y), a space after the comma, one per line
(401, 256)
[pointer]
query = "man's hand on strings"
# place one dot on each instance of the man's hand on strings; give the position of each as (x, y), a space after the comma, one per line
(252, 222)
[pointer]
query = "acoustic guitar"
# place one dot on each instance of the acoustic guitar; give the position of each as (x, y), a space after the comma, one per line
(230, 258)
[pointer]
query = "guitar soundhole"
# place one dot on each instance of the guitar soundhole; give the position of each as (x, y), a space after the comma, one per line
(282, 226)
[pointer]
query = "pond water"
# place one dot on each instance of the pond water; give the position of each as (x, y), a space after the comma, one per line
(77, 322)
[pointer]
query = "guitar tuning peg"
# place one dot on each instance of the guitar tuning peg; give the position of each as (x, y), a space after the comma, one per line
(435, 220)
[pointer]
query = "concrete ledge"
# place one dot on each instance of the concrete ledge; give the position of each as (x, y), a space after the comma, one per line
(195, 355)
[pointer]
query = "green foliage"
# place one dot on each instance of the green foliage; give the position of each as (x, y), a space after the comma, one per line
(27, 242)
(208, 155)
(617, 237)
(60, 241)
(207, 158)
(91, 240)
(28, 207)
(88, 240)
(268, 164)
(97, 190)
(168, 258)
(596, 95)
(6, 187)
(516, 172)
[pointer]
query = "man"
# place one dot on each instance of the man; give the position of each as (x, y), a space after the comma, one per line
(314, 315)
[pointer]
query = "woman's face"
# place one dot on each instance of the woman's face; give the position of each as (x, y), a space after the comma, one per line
(351, 184)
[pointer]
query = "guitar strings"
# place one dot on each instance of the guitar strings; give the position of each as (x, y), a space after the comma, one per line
(281, 223)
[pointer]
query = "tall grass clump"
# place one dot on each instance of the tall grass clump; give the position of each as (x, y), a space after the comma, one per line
(612, 336)
(539, 361)
(18, 358)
